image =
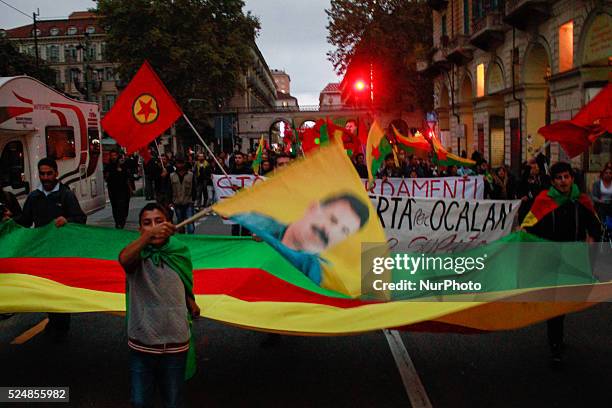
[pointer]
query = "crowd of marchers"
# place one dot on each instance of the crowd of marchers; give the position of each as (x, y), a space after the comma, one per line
(158, 269)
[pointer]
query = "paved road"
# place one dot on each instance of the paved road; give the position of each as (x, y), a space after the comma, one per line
(506, 369)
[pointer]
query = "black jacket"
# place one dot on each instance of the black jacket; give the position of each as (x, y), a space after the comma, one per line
(41, 210)
(569, 222)
(9, 200)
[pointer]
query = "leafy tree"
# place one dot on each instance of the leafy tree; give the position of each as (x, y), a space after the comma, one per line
(199, 48)
(13, 63)
(386, 34)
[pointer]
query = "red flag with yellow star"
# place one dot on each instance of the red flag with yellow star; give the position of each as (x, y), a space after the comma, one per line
(143, 111)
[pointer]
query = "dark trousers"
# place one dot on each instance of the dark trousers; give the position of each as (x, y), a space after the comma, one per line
(555, 330)
(121, 207)
(184, 211)
(240, 231)
(59, 322)
(201, 198)
(149, 188)
(166, 371)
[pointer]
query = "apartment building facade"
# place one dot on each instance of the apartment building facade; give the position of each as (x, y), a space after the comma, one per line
(70, 47)
(503, 69)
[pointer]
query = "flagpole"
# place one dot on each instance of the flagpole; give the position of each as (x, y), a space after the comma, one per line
(205, 145)
(203, 213)
(195, 217)
(158, 151)
(541, 149)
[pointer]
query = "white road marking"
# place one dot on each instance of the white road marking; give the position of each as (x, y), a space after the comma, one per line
(31, 332)
(412, 383)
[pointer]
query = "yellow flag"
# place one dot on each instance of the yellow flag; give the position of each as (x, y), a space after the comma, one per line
(315, 213)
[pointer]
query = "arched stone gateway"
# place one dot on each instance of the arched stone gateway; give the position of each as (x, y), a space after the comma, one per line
(252, 125)
(277, 131)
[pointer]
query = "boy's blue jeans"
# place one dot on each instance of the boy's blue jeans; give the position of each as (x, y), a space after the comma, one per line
(166, 371)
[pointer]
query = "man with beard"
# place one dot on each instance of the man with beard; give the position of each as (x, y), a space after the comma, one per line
(323, 225)
(53, 202)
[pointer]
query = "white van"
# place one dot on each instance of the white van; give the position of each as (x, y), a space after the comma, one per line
(37, 121)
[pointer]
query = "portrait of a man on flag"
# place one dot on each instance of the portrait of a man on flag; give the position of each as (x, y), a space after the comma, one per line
(316, 214)
(323, 225)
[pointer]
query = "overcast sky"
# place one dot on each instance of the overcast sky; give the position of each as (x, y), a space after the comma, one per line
(292, 36)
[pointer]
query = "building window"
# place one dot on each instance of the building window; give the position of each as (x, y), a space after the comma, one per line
(443, 24)
(37, 32)
(58, 78)
(53, 53)
(566, 46)
(466, 17)
(108, 74)
(600, 152)
(477, 9)
(90, 30)
(109, 101)
(60, 142)
(103, 51)
(480, 73)
(75, 75)
(91, 53)
(70, 53)
(71, 31)
(54, 31)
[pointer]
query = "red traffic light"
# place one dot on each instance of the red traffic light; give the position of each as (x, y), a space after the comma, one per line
(360, 85)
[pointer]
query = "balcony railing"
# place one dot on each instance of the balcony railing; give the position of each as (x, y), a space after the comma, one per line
(459, 49)
(294, 109)
(488, 30)
(524, 13)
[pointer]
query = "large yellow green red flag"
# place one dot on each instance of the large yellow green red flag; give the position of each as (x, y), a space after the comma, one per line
(246, 283)
(316, 214)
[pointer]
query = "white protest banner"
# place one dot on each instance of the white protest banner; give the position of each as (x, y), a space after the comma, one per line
(224, 186)
(471, 187)
(443, 225)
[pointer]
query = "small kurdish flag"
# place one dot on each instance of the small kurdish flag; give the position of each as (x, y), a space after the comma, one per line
(377, 147)
(258, 156)
(444, 158)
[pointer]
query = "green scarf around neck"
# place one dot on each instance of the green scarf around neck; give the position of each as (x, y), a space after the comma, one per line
(561, 198)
